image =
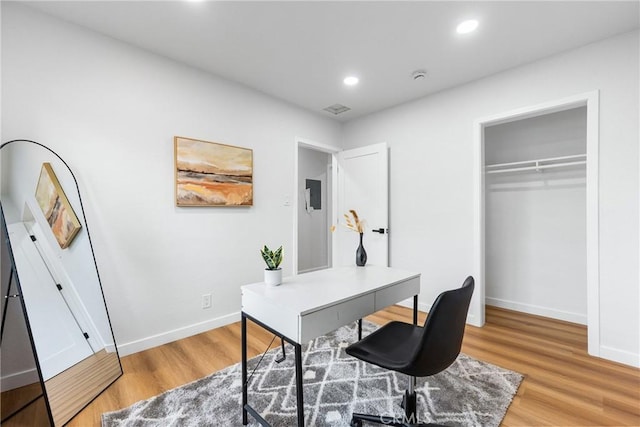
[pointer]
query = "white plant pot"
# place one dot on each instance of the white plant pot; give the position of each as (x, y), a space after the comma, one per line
(273, 277)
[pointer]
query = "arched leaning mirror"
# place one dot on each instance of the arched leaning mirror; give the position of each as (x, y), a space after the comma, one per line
(50, 278)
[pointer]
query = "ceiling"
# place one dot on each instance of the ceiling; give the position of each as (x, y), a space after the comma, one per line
(300, 51)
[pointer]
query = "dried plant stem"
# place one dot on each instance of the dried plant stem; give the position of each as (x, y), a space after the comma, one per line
(353, 222)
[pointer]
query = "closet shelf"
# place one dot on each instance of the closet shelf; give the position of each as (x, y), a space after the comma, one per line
(538, 164)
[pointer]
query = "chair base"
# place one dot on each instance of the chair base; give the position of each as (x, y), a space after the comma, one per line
(409, 419)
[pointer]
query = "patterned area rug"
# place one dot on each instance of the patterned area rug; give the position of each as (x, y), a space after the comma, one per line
(468, 393)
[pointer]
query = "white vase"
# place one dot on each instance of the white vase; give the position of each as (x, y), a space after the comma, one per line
(273, 277)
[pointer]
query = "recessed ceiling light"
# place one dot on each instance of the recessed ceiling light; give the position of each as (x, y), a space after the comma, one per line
(467, 26)
(351, 80)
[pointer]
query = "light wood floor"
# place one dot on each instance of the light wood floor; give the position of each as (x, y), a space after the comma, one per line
(70, 390)
(563, 386)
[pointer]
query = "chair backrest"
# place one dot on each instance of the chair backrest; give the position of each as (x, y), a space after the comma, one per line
(443, 331)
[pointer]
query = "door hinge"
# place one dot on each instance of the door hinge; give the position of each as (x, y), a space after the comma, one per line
(59, 286)
(33, 238)
(86, 335)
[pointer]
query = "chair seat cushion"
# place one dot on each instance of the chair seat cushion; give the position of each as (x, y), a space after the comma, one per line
(390, 347)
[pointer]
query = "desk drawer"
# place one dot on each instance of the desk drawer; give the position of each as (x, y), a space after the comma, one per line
(396, 293)
(330, 318)
(275, 316)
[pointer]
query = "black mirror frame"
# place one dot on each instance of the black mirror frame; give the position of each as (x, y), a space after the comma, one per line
(18, 287)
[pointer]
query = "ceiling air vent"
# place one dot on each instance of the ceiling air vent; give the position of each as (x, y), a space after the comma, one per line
(336, 109)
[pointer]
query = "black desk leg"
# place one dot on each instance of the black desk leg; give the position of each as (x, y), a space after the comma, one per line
(298, 348)
(415, 309)
(359, 329)
(245, 421)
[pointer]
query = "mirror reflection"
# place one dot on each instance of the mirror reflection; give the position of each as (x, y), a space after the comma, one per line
(22, 395)
(50, 252)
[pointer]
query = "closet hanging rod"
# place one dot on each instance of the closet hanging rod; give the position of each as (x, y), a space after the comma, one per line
(537, 161)
(539, 167)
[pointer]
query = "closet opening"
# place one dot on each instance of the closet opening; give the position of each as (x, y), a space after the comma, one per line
(535, 215)
(536, 245)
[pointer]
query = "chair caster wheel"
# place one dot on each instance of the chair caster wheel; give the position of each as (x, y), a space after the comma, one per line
(356, 423)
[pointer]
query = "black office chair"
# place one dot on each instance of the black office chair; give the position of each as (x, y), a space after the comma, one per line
(416, 351)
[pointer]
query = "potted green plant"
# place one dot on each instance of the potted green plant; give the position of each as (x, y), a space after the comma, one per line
(273, 272)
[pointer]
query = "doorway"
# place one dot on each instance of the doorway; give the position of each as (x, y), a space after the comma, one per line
(314, 206)
(535, 215)
(590, 160)
(314, 219)
(356, 179)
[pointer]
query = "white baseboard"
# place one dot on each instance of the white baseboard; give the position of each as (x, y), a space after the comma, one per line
(19, 379)
(538, 310)
(620, 356)
(176, 334)
(471, 319)
(409, 304)
(616, 355)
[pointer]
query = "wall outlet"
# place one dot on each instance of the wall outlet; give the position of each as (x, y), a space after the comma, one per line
(206, 301)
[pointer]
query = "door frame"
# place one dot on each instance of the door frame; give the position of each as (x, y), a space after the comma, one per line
(324, 148)
(591, 101)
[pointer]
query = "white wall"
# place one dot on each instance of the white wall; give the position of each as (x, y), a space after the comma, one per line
(313, 227)
(111, 111)
(431, 156)
(535, 235)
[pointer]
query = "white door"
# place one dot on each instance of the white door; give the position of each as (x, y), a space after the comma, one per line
(70, 295)
(363, 185)
(60, 343)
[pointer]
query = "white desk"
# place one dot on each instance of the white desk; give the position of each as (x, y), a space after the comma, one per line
(306, 306)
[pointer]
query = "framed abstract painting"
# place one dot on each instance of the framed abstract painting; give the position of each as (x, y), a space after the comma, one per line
(56, 207)
(212, 174)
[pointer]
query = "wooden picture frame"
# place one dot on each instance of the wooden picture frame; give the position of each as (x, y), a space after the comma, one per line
(212, 174)
(56, 207)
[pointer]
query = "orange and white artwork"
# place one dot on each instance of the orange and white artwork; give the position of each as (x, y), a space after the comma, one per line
(56, 207)
(212, 174)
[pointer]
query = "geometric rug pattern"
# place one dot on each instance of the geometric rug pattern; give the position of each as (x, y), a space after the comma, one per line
(469, 393)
